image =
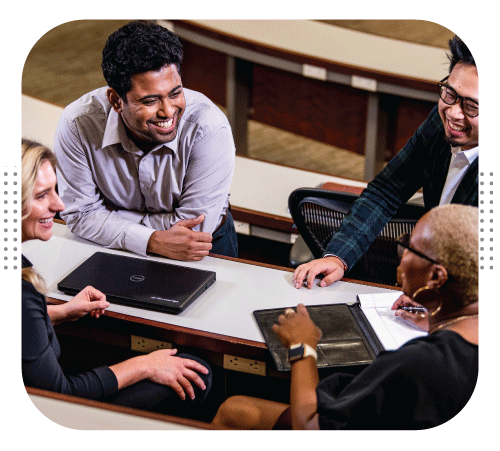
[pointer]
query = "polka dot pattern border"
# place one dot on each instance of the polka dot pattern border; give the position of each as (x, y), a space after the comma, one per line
(486, 221)
(10, 235)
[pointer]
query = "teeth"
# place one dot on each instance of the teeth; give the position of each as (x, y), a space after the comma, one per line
(166, 124)
(45, 221)
(456, 127)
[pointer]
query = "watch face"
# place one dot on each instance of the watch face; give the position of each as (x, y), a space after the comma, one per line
(295, 352)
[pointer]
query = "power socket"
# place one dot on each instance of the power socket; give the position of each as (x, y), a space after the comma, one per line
(147, 345)
(234, 363)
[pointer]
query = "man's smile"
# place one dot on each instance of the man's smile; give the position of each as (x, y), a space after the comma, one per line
(165, 126)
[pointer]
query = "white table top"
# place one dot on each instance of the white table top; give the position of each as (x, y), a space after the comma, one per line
(265, 187)
(226, 308)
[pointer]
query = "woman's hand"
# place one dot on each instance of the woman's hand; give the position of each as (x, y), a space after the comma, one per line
(419, 319)
(175, 372)
(297, 327)
(89, 300)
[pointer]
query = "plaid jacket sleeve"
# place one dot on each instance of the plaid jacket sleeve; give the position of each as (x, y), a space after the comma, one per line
(400, 179)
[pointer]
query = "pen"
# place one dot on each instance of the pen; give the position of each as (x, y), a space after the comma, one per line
(413, 309)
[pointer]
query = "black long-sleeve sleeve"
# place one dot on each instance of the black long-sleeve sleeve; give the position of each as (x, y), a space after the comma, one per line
(41, 350)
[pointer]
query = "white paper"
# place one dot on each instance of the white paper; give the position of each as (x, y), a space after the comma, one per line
(391, 330)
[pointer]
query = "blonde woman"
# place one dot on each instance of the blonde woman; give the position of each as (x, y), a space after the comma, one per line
(159, 381)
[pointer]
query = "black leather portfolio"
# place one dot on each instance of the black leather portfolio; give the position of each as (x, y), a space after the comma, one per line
(348, 338)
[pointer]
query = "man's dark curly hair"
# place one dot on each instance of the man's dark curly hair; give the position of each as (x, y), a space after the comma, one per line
(136, 48)
(459, 53)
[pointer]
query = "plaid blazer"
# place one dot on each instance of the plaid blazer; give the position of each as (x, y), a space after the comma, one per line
(422, 163)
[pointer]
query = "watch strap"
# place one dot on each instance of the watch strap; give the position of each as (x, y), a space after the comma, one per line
(301, 351)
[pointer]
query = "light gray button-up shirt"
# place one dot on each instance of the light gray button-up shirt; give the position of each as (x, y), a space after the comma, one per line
(117, 196)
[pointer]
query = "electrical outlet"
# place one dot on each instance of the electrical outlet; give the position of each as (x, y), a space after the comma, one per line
(242, 227)
(147, 345)
(314, 72)
(232, 362)
(368, 84)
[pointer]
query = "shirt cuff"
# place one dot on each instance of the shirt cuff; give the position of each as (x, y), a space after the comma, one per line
(137, 238)
(333, 255)
(108, 379)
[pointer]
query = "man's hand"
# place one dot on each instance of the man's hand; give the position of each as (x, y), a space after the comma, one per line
(179, 242)
(297, 327)
(331, 267)
(419, 319)
(89, 300)
(176, 372)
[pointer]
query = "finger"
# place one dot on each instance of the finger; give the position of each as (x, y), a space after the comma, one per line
(198, 248)
(197, 256)
(311, 275)
(196, 366)
(195, 378)
(279, 333)
(301, 308)
(203, 237)
(186, 386)
(99, 305)
(407, 316)
(299, 275)
(177, 387)
(94, 294)
(330, 278)
(201, 246)
(281, 319)
(399, 302)
(192, 222)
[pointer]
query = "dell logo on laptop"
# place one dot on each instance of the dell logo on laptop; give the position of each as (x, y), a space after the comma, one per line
(137, 278)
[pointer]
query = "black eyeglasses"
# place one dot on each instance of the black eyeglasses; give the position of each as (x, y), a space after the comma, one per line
(404, 243)
(449, 96)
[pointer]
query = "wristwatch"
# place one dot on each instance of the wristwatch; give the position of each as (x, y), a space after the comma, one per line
(301, 351)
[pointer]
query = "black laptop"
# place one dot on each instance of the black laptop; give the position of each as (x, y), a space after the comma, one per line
(139, 282)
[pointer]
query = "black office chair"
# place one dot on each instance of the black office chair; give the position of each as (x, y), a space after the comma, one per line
(318, 213)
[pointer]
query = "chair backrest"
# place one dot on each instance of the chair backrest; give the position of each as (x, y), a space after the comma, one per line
(318, 213)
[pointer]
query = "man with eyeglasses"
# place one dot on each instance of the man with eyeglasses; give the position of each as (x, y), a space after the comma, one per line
(441, 157)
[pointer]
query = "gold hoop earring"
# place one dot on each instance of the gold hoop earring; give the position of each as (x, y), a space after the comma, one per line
(430, 294)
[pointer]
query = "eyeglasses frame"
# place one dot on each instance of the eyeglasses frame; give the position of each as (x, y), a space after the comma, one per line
(442, 85)
(401, 243)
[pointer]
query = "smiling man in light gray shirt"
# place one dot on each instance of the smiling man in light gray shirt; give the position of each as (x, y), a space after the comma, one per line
(145, 164)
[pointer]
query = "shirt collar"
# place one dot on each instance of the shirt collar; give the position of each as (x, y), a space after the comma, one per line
(470, 154)
(116, 133)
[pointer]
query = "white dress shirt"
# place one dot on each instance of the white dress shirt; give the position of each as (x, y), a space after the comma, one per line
(117, 196)
(459, 163)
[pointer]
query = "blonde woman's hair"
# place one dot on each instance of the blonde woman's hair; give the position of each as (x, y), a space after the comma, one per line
(454, 243)
(33, 156)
